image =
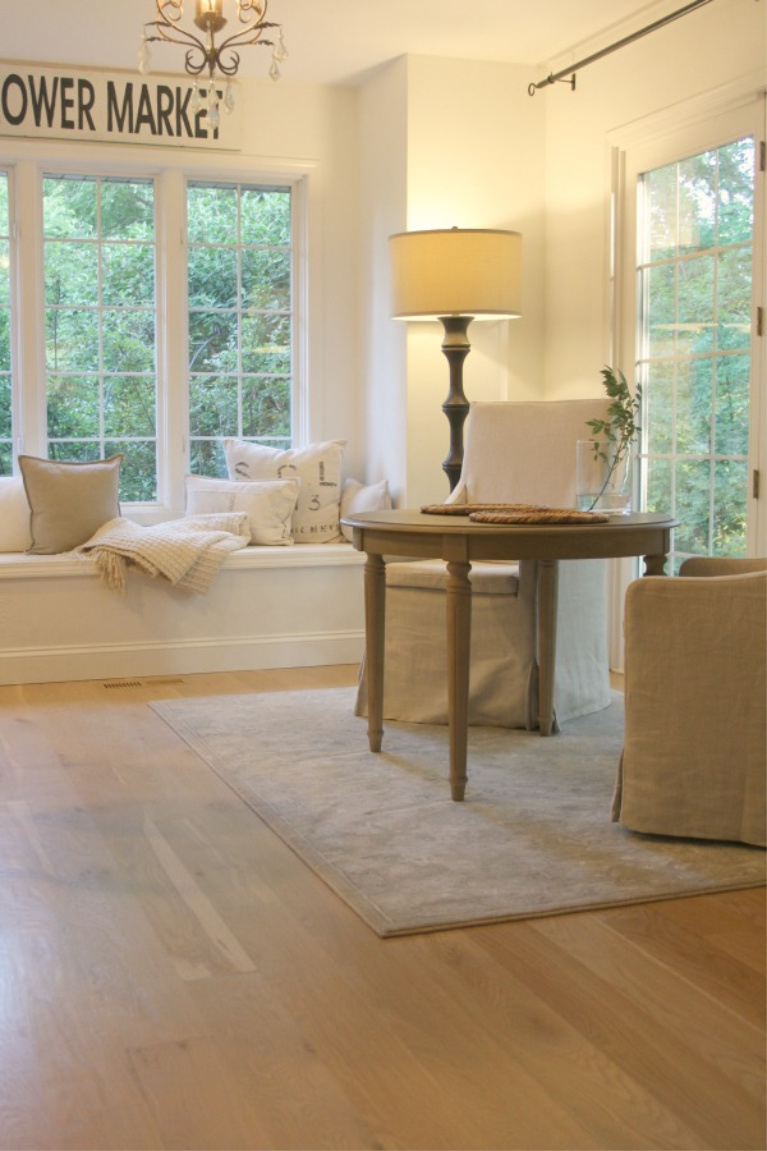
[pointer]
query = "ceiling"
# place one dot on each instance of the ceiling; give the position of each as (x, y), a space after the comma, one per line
(336, 41)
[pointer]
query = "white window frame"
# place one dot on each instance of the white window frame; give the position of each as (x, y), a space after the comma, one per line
(27, 163)
(708, 121)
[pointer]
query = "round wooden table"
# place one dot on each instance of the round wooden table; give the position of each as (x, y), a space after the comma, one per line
(460, 542)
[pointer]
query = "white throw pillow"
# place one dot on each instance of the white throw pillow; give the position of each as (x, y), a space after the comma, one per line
(269, 504)
(15, 534)
(359, 497)
(318, 466)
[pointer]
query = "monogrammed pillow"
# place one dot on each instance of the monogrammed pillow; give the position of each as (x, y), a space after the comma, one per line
(316, 519)
(269, 504)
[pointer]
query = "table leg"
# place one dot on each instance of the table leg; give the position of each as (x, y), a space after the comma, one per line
(655, 565)
(458, 649)
(375, 630)
(548, 589)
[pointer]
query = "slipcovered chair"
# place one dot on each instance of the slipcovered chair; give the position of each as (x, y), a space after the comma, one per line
(695, 750)
(514, 453)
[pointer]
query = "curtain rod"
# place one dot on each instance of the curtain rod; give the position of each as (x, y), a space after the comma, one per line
(570, 72)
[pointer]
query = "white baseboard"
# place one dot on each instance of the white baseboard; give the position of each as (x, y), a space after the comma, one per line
(111, 661)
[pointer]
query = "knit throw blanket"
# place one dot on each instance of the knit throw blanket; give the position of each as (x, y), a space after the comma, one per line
(186, 552)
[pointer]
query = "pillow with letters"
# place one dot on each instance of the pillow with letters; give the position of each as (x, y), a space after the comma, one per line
(69, 501)
(269, 504)
(316, 519)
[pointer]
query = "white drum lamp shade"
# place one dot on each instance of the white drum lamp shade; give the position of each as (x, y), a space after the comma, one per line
(455, 275)
(456, 272)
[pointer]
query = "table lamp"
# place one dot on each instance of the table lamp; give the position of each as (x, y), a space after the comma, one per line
(455, 275)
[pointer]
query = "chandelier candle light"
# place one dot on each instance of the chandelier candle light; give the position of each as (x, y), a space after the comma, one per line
(205, 55)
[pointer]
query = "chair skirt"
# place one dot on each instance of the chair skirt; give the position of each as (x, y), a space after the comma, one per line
(503, 681)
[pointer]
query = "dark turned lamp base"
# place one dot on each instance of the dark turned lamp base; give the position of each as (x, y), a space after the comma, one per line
(456, 348)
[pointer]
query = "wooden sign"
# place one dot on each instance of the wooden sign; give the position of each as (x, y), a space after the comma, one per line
(71, 105)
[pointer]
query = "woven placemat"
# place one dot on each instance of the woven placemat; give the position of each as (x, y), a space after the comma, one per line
(516, 514)
(539, 516)
(470, 509)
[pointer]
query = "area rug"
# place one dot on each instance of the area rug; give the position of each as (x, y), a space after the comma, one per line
(534, 836)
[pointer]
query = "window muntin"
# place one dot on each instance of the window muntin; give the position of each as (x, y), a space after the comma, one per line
(240, 296)
(6, 392)
(99, 256)
(695, 318)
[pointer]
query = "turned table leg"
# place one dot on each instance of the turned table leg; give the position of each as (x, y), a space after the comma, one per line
(548, 590)
(375, 630)
(655, 565)
(458, 649)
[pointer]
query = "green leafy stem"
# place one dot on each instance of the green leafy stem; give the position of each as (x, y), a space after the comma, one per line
(621, 425)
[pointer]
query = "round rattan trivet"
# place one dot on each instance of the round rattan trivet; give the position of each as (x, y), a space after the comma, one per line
(548, 516)
(470, 509)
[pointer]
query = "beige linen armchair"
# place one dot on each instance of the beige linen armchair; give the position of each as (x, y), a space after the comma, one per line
(514, 453)
(695, 752)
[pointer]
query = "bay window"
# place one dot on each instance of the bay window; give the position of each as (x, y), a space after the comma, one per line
(152, 318)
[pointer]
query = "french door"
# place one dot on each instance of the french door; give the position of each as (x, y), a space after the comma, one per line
(691, 306)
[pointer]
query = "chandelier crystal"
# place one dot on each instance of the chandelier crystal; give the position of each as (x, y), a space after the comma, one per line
(203, 53)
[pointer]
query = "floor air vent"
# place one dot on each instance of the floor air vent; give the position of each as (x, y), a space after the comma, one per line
(142, 682)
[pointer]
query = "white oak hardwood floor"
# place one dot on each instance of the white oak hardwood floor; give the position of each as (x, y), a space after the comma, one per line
(173, 976)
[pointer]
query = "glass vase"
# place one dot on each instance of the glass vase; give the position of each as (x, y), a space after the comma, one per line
(603, 481)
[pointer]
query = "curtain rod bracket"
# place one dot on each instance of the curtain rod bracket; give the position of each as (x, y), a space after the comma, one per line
(531, 88)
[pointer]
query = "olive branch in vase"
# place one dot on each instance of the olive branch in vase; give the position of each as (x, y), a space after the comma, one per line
(621, 426)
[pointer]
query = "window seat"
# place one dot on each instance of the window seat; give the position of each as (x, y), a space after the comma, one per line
(268, 607)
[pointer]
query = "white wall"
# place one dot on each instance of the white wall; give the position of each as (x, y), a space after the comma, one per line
(704, 50)
(475, 150)
(383, 210)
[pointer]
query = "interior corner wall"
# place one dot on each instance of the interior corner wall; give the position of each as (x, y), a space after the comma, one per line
(382, 127)
(443, 143)
(707, 49)
(475, 156)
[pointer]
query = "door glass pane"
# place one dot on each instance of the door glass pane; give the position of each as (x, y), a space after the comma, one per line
(694, 364)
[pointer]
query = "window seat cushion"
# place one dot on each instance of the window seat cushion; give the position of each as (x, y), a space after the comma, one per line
(17, 563)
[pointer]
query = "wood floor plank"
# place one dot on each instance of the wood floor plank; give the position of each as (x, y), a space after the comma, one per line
(193, 1099)
(658, 931)
(721, 1113)
(287, 1078)
(65, 1082)
(709, 1027)
(616, 1108)
(385, 1062)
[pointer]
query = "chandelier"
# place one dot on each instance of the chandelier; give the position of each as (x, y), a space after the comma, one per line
(203, 53)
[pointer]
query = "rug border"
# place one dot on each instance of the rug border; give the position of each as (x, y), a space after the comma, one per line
(361, 904)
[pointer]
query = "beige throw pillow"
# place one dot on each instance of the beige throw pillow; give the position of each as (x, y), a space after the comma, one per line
(69, 501)
(14, 515)
(359, 497)
(316, 519)
(269, 504)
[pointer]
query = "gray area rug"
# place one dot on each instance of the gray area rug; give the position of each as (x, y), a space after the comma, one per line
(533, 837)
